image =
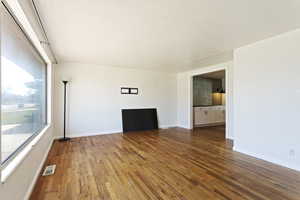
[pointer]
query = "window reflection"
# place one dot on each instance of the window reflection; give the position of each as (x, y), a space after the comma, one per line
(23, 104)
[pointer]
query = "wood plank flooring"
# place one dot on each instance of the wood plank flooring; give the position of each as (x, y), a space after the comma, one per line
(161, 165)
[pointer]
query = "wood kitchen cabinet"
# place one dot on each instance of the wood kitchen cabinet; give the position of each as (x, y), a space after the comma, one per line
(201, 115)
(210, 115)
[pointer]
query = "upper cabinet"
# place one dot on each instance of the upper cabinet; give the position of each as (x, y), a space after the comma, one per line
(208, 91)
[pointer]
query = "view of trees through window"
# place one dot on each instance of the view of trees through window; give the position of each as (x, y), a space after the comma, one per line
(23, 89)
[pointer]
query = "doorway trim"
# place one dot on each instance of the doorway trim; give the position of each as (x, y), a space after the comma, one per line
(229, 94)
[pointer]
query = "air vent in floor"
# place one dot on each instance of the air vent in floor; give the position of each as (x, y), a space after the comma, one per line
(49, 170)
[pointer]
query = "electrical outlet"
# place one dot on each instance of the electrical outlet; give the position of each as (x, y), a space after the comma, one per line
(292, 152)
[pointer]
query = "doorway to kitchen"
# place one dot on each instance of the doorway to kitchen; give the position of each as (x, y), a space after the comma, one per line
(209, 101)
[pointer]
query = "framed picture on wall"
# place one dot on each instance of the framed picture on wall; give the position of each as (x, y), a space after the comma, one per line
(134, 91)
(125, 90)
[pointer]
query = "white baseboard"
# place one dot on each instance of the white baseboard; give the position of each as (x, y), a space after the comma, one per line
(37, 174)
(210, 124)
(167, 126)
(184, 127)
(268, 158)
(229, 137)
(76, 135)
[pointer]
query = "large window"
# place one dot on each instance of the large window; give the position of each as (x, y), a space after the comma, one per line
(23, 89)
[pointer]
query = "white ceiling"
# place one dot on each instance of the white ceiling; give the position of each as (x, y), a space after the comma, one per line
(170, 35)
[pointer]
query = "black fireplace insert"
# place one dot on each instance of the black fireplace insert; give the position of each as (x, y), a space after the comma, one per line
(139, 119)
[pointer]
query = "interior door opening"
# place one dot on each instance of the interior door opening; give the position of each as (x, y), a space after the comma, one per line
(209, 101)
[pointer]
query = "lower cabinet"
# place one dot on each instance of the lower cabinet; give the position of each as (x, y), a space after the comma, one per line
(201, 116)
(209, 115)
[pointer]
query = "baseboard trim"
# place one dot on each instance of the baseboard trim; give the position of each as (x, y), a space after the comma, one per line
(184, 127)
(210, 125)
(229, 138)
(167, 126)
(267, 158)
(77, 135)
(37, 174)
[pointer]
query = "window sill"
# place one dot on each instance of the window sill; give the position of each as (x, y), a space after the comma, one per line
(13, 165)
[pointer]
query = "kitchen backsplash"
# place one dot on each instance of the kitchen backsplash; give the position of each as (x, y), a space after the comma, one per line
(203, 89)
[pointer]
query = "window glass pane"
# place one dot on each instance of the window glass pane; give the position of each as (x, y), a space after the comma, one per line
(23, 88)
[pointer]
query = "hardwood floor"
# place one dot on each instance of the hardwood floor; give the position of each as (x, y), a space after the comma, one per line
(165, 164)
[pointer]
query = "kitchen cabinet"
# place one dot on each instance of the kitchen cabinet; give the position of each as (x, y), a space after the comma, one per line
(210, 115)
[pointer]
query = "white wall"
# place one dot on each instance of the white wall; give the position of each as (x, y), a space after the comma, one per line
(267, 99)
(184, 95)
(95, 101)
(20, 183)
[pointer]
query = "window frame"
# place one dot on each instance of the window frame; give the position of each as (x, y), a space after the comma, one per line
(13, 155)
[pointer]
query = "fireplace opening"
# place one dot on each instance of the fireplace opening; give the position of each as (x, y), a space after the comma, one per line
(139, 119)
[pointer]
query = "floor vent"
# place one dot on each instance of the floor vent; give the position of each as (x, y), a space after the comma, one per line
(49, 170)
